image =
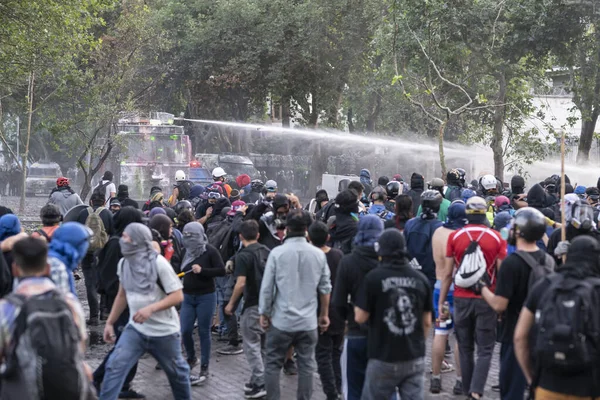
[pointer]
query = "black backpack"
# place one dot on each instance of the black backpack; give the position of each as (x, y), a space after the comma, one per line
(539, 269)
(43, 360)
(185, 189)
(101, 190)
(219, 236)
(567, 325)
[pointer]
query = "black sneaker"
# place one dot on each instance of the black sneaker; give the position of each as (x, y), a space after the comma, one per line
(131, 394)
(289, 368)
(158, 367)
(496, 388)
(248, 387)
(457, 390)
(92, 321)
(104, 315)
(435, 385)
(257, 392)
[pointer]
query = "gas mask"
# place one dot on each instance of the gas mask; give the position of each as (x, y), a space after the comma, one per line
(582, 217)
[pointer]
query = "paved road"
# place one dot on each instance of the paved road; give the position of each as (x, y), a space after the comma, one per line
(228, 373)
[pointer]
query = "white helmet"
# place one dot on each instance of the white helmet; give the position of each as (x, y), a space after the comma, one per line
(489, 182)
(218, 172)
(179, 176)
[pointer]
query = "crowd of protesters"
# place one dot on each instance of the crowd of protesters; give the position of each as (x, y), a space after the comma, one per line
(350, 287)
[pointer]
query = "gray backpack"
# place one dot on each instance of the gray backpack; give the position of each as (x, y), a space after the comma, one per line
(539, 269)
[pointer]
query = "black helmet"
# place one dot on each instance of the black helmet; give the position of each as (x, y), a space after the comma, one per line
(378, 194)
(183, 205)
(50, 214)
(393, 189)
(431, 199)
(462, 174)
(343, 184)
(257, 185)
(531, 224)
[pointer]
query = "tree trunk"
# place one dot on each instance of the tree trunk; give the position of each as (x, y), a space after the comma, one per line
(441, 147)
(313, 118)
(285, 111)
(26, 154)
(586, 138)
(374, 108)
(350, 122)
(498, 133)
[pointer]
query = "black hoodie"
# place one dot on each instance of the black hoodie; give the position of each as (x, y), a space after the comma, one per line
(536, 197)
(342, 232)
(351, 273)
(417, 186)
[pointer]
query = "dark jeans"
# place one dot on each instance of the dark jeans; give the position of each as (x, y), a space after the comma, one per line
(354, 366)
(512, 380)
(231, 323)
(100, 371)
(328, 354)
(278, 343)
(474, 322)
(91, 284)
(382, 379)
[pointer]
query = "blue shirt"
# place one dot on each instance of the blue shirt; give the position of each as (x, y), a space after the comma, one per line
(377, 209)
(294, 273)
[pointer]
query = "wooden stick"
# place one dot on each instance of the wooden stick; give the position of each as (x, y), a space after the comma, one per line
(563, 228)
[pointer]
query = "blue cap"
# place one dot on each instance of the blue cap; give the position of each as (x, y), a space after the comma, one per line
(580, 189)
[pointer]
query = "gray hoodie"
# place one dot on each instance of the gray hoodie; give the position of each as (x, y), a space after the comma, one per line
(64, 200)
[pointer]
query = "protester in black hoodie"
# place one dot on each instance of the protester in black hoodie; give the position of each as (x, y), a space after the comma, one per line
(342, 229)
(350, 275)
(108, 283)
(417, 187)
(123, 196)
(271, 220)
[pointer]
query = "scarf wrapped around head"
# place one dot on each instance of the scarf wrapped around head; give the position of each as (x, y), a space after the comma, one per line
(9, 226)
(139, 273)
(69, 244)
(370, 227)
(457, 215)
(194, 241)
(125, 216)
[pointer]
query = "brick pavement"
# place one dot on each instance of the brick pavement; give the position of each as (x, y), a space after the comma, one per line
(228, 374)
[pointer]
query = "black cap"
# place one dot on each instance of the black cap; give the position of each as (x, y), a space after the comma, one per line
(280, 200)
(391, 244)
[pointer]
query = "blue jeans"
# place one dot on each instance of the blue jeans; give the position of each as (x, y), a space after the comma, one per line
(201, 307)
(382, 378)
(131, 346)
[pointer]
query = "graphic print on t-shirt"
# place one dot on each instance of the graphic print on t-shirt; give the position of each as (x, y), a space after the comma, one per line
(400, 316)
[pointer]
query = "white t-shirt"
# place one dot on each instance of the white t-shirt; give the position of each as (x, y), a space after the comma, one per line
(110, 188)
(161, 323)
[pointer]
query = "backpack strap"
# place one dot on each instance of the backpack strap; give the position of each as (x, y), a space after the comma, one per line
(528, 258)
(43, 233)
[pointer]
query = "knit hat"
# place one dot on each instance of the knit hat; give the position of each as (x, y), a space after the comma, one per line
(579, 190)
(501, 202)
(391, 244)
(242, 180)
(196, 191)
(370, 228)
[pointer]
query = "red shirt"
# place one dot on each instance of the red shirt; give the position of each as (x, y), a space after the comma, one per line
(491, 243)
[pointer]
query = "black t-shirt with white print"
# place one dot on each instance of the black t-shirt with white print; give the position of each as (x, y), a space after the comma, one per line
(396, 296)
